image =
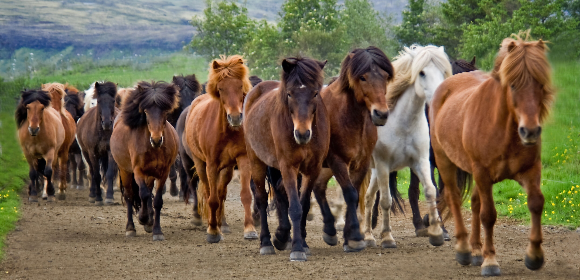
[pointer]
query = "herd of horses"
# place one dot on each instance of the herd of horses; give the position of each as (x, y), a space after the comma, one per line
(294, 135)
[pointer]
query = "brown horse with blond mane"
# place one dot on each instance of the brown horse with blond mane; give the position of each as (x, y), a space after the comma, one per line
(487, 127)
(144, 145)
(214, 137)
(57, 94)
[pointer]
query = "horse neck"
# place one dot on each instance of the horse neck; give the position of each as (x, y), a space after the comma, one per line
(409, 108)
(358, 111)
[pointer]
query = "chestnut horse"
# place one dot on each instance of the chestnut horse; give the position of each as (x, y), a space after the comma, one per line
(144, 145)
(358, 105)
(287, 128)
(41, 135)
(215, 137)
(57, 93)
(74, 104)
(487, 127)
(94, 134)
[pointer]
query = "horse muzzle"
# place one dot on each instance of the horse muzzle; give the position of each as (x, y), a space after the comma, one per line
(156, 143)
(528, 136)
(235, 121)
(107, 125)
(33, 131)
(302, 138)
(379, 118)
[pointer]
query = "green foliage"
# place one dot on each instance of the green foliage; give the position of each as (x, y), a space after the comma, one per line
(307, 15)
(263, 51)
(364, 26)
(225, 29)
(413, 28)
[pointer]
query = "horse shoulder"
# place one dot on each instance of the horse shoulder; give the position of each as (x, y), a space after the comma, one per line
(258, 91)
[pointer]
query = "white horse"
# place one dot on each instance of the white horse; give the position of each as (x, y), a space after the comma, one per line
(404, 139)
(90, 102)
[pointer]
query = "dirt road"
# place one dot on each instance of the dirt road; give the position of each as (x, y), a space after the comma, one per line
(77, 240)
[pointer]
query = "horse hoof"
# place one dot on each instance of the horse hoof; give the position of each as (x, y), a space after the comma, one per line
(492, 270)
(226, 229)
(297, 256)
(310, 216)
(426, 220)
(446, 236)
(281, 246)
(33, 198)
(422, 233)
(532, 264)
(476, 260)
(251, 235)
(436, 240)
(389, 244)
(196, 221)
(44, 198)
(371, 243)
(80, 187)
(99, 203)
(109, 201)
(173, 192)
(267, 250)
(158, 237)
(354, 246)
(306, 250)
(181, 199)
(50, 198)
(463, 258)
(92, 199)
(340, 227)
(330, 240)
(213, 238)
(148, 228)
(130, 233)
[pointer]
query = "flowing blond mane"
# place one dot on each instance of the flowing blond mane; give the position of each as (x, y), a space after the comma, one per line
(227, 67)
(520, 61)
(57, 93)
(408, 64)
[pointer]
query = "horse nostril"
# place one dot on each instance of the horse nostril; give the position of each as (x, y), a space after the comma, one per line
(523, 131)
(307, 134)
(538, 131)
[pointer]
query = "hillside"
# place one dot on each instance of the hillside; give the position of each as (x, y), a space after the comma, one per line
(160, 24)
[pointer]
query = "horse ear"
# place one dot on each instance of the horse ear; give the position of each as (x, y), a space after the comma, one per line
(442, 48)
(321, 64)
(240, 61)
(472, 61)
(511, 46)
(215, 65)
(288, 64)
(351, 55)
(541, 45)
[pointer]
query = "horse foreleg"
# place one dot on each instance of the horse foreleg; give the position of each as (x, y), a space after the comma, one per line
(110, 177)
(289, 178)
(158, 205)
(386, 201)
(173, 191)
(82, 171)
(246, 197)
(320, 187)
(420, 230)
(259, 180)
(282, 236)
(224, 178)
(63, 171)
(422, 170)
(475, 238)
(51, 164)
(33, 175)
(369, 201)
(488, 216)
(531, 182)
(308, 183)
(213, 231)
(128, 195)
(145, 195)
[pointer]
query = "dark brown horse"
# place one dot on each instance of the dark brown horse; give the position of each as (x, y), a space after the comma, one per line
(94, 134)
(215, 138)
(41, 135)
(286, 127)
(74, 104)
(487, 127)
(144, 146)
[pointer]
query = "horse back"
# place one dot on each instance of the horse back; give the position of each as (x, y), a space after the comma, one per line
(259, 90)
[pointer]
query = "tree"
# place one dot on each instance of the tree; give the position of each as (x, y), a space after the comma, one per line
(263, 51)
(364, 26)
(413, 28)
(224, 29)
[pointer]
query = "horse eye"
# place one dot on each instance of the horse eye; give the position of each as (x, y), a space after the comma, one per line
(315, 94)
(289, 96)
(422, 74)
(362, 78)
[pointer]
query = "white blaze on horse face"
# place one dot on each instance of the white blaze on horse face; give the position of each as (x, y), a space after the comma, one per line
(429, 81)
(93, 102)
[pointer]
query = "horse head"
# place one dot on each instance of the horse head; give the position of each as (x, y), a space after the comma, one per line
(31, 109)
(430, 67)
(367, 72)
(228, 81)
(301, 84)
(524, 73)
(105, 93)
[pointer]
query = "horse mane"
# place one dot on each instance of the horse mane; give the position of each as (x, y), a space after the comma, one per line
(306, 72)
(359, 61)
(68, 88)
(27, 97)
(254, 80)
(227, 67)
(57, 93)
(146, 95)
(89, 96)
(73, 99)
(121, 95)
(462, 65)
(520, 61)
(189, 87)
(409, 63)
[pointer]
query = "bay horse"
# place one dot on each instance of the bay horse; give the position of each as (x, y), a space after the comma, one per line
(215, 137)
(418, 72)
(468, 144)
(94, 133)
(57, 93)
(144, 146)
(357, 105)
(40, 134)
(74, 104)
(287, 127)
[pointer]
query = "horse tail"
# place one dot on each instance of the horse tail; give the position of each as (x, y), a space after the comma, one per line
(363, 191)
(398, 202)
(274, 180)
(464, 184)
(136, 197)
(201, 202)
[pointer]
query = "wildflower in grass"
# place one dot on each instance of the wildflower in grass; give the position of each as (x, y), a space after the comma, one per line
(526, 203)
(550, 219)
(553, 212)
(546, 215)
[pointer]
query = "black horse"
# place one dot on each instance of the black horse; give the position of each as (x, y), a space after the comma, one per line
(73, 103)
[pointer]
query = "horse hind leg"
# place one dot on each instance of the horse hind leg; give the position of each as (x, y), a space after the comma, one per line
(422, 170)
(320, 187)
(173, 191)
(110, 176)
(420, 230)
(63, 171)
(282, 236)
(82, 171)
(246, 198)
(369, 201)
(338, 209)
(386, 201)
(475, 238)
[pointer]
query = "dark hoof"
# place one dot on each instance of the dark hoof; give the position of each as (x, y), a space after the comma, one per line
(130, 233)
(389, 244)
(50, 198)
(99, 203)
(371, 243)
(281, 246)
(354, 246)
(109, 201)
(310, 216)
(251, 235)
(226, 229)
(196, 221)
(213, 238)
(33, 198)
(476, 260)
(436, 240)
(446, 236)
(91, 199)
(158, 237)
(422, 232)
(44, 198)
(267, 250)
(492, 270)
(426, 220)
(463, 258)
(173, 192)
(297, 256)
(330, 240)
(148, 228)
(534, 264)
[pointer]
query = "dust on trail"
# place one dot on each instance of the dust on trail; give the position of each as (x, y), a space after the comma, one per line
(74, 239)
